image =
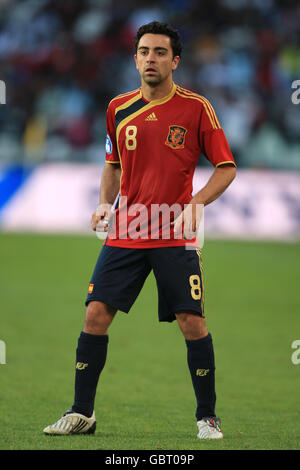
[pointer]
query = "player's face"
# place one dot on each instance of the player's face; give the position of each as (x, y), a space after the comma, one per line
(154, 59)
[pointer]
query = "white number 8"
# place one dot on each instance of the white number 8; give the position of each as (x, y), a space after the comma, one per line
(130, 134)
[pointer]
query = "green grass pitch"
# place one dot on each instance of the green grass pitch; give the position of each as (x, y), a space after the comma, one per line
(145, 398)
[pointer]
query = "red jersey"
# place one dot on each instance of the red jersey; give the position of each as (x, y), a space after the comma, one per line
(158, 144)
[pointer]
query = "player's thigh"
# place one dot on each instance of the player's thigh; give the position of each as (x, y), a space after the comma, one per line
(179, 277)
(118, 277)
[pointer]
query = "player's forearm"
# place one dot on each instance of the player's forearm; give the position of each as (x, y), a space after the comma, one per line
(221, 178)
(110, 183)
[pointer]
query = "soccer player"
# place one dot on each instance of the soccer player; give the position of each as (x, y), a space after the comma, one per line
(155, 135)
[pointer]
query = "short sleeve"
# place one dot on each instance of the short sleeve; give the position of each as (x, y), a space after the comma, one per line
(111, 150)
(214, 144)
(216, 148)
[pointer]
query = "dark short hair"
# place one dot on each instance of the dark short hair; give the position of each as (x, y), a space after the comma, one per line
(155, 27)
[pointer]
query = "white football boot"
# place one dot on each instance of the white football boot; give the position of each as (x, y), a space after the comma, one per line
(209, 428)
(72, 423)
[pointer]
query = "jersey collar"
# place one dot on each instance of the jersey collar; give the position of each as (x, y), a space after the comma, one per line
(161, 100)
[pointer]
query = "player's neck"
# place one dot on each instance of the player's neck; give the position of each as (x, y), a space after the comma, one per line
(158, 92)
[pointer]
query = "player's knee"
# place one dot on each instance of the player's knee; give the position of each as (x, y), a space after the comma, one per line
(98, 317)
(192, 325)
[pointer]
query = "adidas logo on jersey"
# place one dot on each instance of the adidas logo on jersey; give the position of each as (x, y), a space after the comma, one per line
(151, 117)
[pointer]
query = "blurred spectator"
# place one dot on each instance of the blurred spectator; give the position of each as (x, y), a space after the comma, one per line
(62, 62)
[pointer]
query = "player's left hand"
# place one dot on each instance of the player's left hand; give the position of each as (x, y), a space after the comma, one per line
(187, 223)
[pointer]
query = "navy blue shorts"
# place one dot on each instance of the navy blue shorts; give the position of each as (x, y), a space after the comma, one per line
(120, 273)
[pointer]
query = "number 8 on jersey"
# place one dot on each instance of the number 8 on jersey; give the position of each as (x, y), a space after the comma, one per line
(130, 135)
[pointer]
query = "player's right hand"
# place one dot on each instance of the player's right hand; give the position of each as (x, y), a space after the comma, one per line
(100, 218)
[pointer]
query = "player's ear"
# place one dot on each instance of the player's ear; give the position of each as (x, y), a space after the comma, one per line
(135, 59)
(175, 62)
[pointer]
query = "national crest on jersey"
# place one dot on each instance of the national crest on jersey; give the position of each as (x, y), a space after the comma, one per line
(176, 137)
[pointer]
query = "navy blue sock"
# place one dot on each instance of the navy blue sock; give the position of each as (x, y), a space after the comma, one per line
(201, 362)
(90, 359)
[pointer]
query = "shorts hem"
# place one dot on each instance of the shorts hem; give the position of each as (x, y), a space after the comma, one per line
(101, 299)
(170, 318)
(181, 308)
(188, 308)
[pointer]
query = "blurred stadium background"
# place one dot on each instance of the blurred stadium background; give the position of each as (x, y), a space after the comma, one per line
(62, 62)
